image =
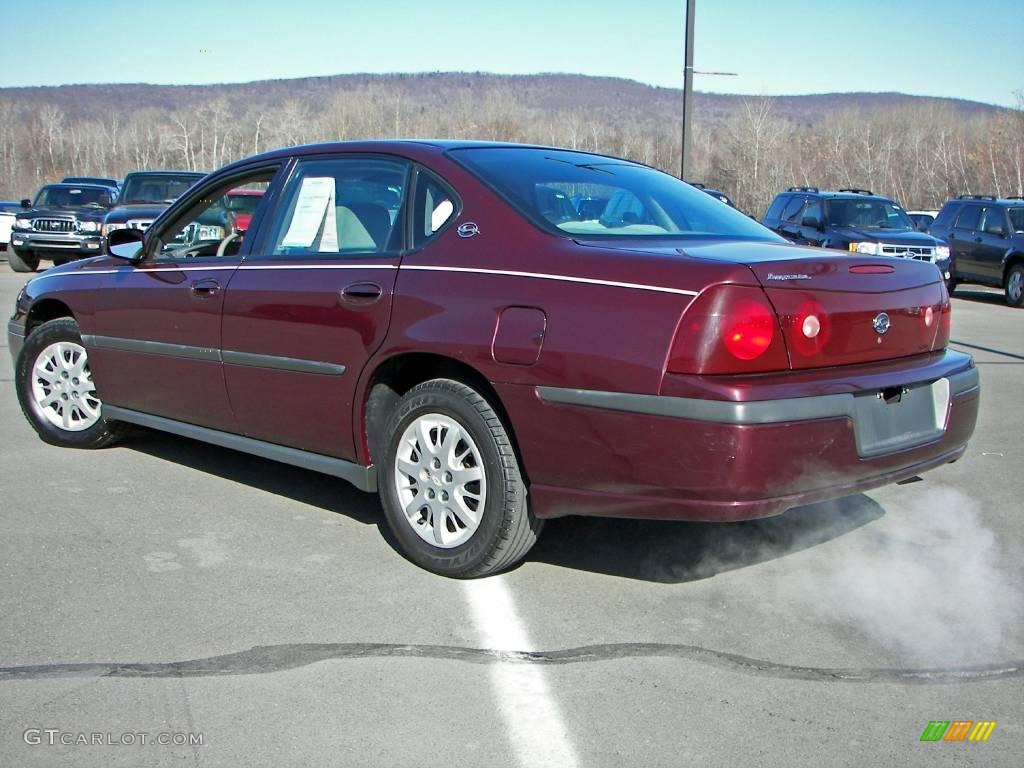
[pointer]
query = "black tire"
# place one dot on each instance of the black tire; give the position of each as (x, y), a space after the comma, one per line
(100, 434)
(59, 261)
(951, 285)
(22, 261)
(507, 528)
(1014, 285)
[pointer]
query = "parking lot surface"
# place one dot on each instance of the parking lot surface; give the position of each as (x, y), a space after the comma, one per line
(164, 586)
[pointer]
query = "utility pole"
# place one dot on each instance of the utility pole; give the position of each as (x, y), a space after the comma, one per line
(688, 73)
(687, 88)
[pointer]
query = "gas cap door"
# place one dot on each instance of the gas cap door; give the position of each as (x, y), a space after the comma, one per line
(519, 335)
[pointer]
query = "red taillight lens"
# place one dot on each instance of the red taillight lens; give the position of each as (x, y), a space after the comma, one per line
(728, 329)
(749, 329)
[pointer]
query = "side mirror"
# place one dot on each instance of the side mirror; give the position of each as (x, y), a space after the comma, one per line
(125, 244)
(26, 203)
(810, 221)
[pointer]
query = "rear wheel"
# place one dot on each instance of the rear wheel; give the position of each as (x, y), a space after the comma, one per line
(450, 483)
(56, 390)
(22, 261)
(1015, 286)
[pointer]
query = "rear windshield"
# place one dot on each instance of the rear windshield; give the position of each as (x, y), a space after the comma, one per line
(70, 196)
(594, 196)
(155, 189)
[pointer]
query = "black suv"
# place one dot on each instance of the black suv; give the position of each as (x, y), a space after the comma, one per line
(61, 224)
(853, 220)
(144, 196)
(986, 235)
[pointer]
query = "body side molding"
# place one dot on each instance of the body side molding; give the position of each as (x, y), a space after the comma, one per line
(363, 478)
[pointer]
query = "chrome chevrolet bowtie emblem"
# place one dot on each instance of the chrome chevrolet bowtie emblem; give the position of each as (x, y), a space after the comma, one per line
(880, 323)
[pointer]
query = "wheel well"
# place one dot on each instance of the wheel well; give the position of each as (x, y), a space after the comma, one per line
(397, 375)
(1013, 260)
(44, 311)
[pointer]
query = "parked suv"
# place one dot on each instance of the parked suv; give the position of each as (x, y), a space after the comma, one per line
(853, 220)
(61, 224)
(986, 235)
(144, 196)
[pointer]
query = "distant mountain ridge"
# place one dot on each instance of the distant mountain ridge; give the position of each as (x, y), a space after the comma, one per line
(606, 97)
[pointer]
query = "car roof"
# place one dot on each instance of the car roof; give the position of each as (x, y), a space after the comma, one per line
(386, 145)
(197, 174)
(72, 185)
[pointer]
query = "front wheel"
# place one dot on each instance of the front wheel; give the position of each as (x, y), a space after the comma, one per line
(22, 261)
(1015, 286)
(450, 483)
(56, 390)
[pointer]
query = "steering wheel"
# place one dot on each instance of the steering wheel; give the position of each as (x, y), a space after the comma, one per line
(235, 235)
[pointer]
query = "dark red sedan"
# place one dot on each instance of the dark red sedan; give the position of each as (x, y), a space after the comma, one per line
(439, 322)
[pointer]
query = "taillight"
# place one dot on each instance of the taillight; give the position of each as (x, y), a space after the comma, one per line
(945, 316)
(728, 329)
(810, 328)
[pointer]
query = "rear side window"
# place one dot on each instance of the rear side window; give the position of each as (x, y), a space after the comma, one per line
(435, 206)
(993, 222)
(775, 209)
(945, 218)
(969, 217)
(1016, 219)
(341, 207)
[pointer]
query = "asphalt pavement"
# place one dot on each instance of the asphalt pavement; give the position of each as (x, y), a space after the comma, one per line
(166, 590)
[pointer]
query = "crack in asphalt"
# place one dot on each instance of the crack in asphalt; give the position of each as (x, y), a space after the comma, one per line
(264, 659)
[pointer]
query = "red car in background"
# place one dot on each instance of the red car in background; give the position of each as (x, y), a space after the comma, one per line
(436, 321)
(243, 203)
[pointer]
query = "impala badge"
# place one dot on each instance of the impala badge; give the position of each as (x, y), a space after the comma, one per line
(469, 229)
(880, 323)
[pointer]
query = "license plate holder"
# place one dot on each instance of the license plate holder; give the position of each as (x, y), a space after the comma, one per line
(886, 421)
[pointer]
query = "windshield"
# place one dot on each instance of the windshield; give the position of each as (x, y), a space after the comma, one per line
(591, 195)
(155, 189)
(866, 214)
(243, 203)
(70, 196)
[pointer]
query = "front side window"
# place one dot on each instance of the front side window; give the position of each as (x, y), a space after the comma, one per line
(992, 221)
(209, 227)
(548, 185)
(343, 207)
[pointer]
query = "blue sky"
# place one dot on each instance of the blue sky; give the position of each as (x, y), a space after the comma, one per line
(954, 48)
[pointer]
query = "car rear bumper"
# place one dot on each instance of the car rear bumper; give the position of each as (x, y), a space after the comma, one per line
(699, 458)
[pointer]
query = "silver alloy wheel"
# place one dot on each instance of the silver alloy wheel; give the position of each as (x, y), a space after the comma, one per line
(62, 387)
(1015, 286)
(440, 480)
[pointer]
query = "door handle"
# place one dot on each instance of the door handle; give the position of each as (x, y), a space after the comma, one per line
(205, 288)
(361, 294)
(977, 239)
